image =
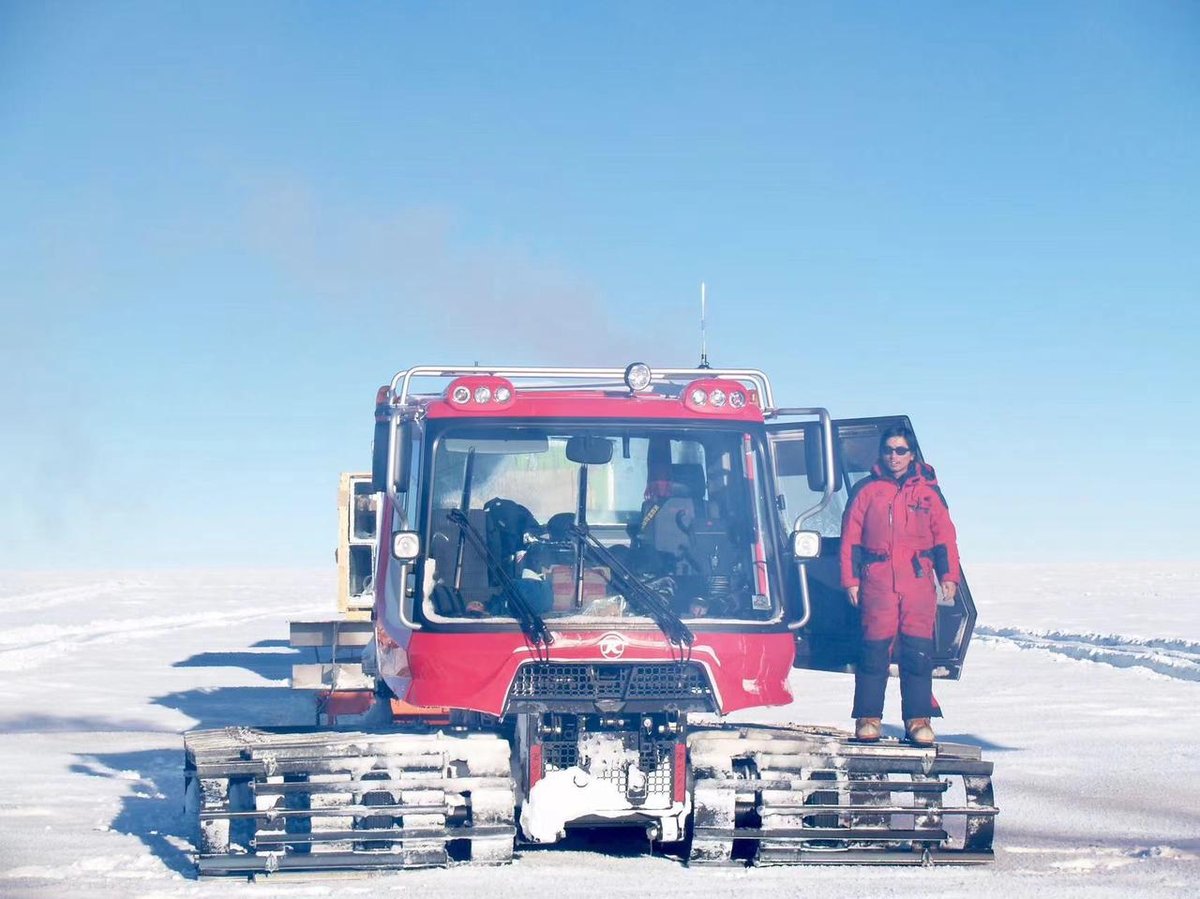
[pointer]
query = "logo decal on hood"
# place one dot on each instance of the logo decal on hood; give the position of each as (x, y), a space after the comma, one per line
(612, 645)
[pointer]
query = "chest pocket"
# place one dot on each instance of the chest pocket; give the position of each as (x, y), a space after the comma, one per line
(920, 510)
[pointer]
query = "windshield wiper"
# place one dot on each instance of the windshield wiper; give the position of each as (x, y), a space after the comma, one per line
(653, 603)
(532, 624)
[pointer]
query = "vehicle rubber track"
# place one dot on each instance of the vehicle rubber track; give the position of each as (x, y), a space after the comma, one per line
(780, 795)
(268, 800)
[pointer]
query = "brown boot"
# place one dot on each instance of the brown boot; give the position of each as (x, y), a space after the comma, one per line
(867, 730)
(919, 732)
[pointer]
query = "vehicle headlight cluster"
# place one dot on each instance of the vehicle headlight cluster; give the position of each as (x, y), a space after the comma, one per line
(473, 392)
(706, 395)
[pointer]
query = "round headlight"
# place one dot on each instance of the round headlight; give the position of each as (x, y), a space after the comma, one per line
(503, 394)
(717, 397)
(461, 394)
(699, 397)
(737, 399)
(483, 394)
(806, 544)
(637, 376)
(406, 545)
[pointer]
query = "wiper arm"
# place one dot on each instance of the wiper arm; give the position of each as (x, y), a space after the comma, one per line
(655, 606)
(532, 624)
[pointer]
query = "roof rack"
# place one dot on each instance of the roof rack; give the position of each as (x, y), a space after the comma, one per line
(552, 378)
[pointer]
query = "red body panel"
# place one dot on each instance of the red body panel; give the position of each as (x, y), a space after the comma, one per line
(474, 670)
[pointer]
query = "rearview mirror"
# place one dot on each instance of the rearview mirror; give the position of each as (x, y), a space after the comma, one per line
(588, 450)
(814, 464)
(803, 456)
(379, 455)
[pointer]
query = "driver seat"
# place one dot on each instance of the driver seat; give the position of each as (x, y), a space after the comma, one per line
(669, 529)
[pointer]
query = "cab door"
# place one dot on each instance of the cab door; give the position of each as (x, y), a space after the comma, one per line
(830, 639)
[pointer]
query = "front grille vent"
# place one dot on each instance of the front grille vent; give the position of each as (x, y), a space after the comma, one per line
(663, 682)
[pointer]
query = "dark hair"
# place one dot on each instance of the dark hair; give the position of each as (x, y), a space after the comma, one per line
(910, 439)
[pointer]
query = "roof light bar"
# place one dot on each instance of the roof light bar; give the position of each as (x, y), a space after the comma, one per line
(480, 393)
(716, 396)
(752, 381)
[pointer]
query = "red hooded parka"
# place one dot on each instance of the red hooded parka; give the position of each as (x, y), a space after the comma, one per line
(895, 535)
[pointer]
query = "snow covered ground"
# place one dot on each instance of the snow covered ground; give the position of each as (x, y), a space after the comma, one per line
(1082, 685)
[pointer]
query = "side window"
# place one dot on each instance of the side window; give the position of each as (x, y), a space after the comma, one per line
(798, 473)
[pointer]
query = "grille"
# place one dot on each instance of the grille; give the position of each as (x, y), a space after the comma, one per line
(655, 759)
(563, 751)
(665, 681)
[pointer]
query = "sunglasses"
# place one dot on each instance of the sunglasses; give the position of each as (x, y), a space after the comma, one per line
(896, 451)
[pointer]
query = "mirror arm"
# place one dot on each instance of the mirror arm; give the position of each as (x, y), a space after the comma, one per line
(402, 611)
(805, 603)
(392, 468)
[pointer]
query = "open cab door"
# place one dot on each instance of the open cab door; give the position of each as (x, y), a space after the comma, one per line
(830, 638)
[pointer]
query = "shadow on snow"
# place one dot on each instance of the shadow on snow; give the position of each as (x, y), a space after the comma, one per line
(49, 724)
(246, 706)
(153, 812)
(269, 665)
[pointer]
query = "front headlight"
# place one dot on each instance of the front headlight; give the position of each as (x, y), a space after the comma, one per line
(406, 545)
(806, 544)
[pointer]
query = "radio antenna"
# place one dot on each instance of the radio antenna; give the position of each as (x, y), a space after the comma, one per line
(703, 332)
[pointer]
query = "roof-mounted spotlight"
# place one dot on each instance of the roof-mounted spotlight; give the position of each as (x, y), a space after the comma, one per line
(638, 376)
(716, 395)
(480, 393)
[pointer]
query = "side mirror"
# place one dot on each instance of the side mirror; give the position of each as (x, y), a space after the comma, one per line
(379, 455)
(406, 546)
(814, 459)
(806, 544)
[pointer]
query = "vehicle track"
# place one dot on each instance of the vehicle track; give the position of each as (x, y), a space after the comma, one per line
(1175, 658)
(40, 600)
(25, 648)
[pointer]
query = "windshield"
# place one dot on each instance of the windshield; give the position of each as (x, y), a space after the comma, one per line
(675, 509)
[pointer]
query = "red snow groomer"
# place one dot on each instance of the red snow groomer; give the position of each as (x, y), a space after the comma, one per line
(556, 584)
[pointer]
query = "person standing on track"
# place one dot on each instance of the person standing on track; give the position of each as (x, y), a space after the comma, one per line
(896, 534)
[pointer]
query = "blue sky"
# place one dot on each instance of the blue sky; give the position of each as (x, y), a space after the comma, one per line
(226, 224)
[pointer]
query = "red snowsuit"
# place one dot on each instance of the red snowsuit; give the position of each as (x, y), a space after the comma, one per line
(895, 534)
